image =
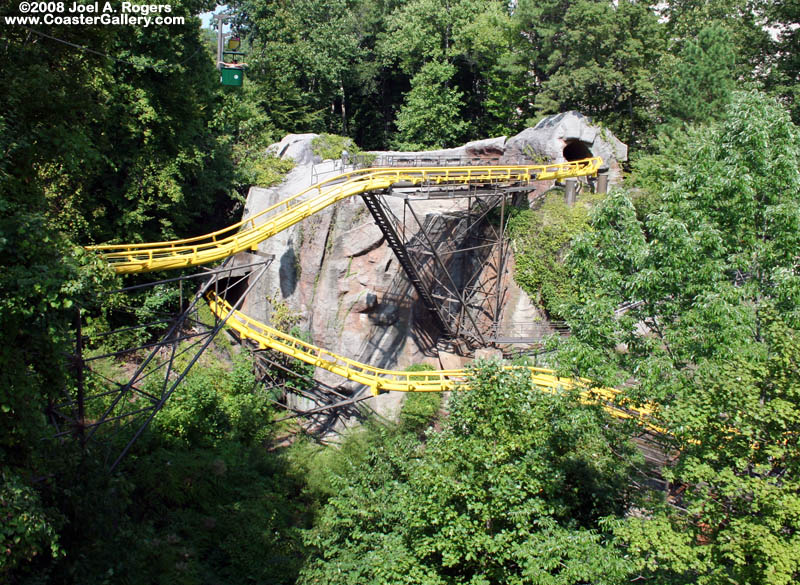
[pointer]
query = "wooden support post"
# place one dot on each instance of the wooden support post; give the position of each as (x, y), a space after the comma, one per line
(570, 191)
(602, 182)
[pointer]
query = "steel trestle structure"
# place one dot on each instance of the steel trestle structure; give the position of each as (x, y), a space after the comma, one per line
(457, 306)
(457, 260)
(134, 403)
(393, 239)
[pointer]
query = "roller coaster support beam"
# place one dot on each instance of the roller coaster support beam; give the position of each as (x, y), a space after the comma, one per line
(126, 404)
(446, 272)
(463, 288)
(396, 244)
(167, 392)
(500, 292)
(570, 191)
(602, 182)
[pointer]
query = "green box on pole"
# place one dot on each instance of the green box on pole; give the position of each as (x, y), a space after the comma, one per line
(232, 76)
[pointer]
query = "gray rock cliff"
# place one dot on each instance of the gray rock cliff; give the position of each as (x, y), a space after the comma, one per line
(337, 272)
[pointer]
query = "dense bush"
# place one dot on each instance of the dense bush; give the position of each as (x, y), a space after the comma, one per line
(511, 490)
(541, 238)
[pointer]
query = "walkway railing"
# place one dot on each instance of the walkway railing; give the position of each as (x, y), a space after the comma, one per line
(247, 234)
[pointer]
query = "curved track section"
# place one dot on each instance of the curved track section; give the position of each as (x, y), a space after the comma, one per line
(247, 234)
(380, 380)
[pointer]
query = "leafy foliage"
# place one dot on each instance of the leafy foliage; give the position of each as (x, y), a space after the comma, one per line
(419, 408)
(331, 146)
(702, 77)
(27, 530)
(541, 238)
(496, 496)
(130, 148)
(431, 114)
(598, 58)
(783, 77)
(711, 335)
(199, 499)
(349, 68)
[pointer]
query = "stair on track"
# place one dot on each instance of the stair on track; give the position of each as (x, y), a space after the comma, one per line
(401, 252)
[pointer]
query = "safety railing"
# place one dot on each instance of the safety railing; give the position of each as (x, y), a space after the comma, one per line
(381, 380)
(248, 233)
(365, 160)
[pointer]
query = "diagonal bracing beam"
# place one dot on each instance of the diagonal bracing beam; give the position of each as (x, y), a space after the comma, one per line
(400, 251)
(126, 405)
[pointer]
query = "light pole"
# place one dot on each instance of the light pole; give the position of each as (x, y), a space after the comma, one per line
(220, 18)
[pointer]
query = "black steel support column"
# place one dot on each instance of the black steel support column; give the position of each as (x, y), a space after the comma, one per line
(398, 247)
(168, 389)
(124, 405)
(446, 272)
(500, 267)
(463, 305)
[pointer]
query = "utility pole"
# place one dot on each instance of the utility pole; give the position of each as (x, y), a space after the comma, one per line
(220, 18)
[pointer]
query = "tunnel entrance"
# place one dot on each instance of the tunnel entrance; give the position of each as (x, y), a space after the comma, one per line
(232, 288)
(576, 150)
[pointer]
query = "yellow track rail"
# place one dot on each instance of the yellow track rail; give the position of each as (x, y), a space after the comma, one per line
(247, 234)
(380, 380)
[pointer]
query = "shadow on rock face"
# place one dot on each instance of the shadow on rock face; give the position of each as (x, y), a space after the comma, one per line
(288, 272)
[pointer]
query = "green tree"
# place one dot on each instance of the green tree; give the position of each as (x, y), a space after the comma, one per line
(695, 307)
(699, 83)
(510, 491)
(117, 142)
(599, 61)
(743, 20)
(739, 515)
(431, 114)
(785, 74)
(303, 56)
(94, 148)
(493, 77)
(475, 40)
(536, 25)
(429, 30)
(199, 499)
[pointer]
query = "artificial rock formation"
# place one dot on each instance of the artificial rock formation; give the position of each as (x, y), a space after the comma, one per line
(564, 137)
(336, 271)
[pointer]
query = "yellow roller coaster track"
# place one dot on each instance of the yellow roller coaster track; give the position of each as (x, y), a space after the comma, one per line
(247, 234)
(380, 380)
